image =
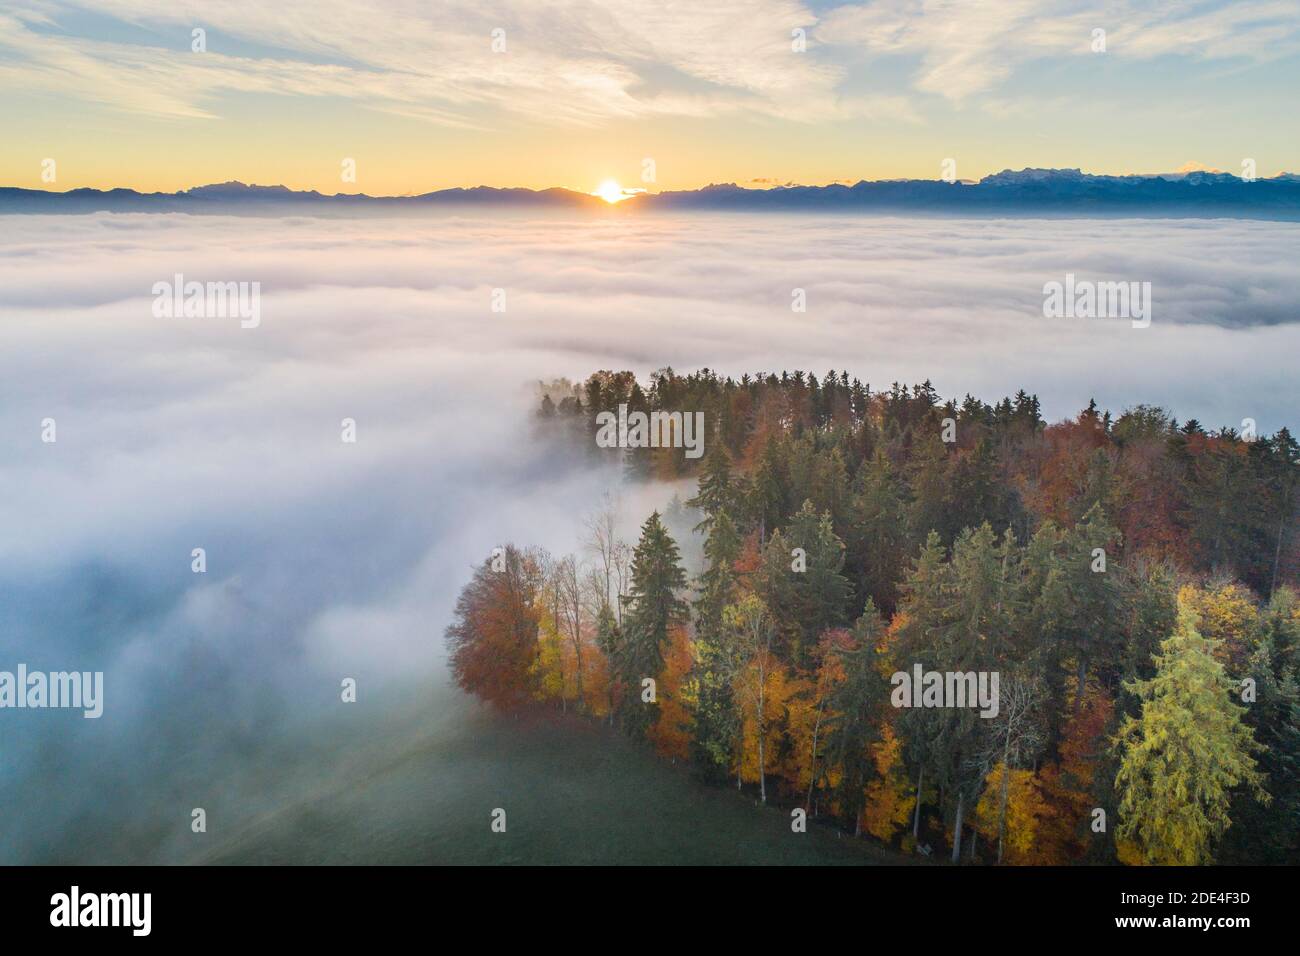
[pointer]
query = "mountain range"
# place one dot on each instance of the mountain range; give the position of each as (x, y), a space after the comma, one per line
(1033, 192)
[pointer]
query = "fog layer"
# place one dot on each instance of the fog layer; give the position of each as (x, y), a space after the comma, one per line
(328, 560)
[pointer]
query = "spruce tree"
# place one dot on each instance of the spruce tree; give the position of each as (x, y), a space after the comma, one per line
(768, 490)
(654, 608)
(716, 486)
(1185, 755)
(855, 707)
(708, 689)
(878, 542)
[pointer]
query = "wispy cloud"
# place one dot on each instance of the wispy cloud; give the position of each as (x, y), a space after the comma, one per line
(971, 48)
(564, 62)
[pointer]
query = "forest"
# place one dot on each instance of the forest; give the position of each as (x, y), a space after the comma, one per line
(1130, 579)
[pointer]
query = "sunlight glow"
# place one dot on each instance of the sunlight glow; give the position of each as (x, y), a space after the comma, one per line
(611, 191)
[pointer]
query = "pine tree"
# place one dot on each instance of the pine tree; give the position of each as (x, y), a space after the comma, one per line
(806, 593)
(1224, 498)
(638, 463)
(828, 487)
(916, 626)
(768, 490)
(878, 540)
(928, 478)
(855, 705)
(716, 486)
(655, 607)
(1091, 629)
(1259, 834)
(718, 581)
(1185, 754)
(708, 689)
(1281, 470)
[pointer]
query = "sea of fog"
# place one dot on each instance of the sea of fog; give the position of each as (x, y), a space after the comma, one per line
(329, 560)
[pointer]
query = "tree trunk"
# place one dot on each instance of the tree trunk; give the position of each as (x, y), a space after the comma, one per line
(916, 817)
(758, 723)
(1277, 557)
(1002, 811)
(582, 704)
(812, 769)
(1083, 680)
(956, 830)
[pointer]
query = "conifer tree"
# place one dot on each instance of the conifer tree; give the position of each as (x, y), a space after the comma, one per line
(879, 534)
(655, 607)
(708, 689)
(855, 706)
(806, 592)
(768, 490)
(928, 479)
(717, 488)
(1186, 753)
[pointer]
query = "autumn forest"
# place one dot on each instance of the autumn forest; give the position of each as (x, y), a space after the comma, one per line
(1130, 578)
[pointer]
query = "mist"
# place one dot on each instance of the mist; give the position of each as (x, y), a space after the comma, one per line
(329, 560)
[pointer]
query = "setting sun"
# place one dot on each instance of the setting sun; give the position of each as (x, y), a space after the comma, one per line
(610, 191)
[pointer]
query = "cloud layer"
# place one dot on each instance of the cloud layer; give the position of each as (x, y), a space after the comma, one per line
(328, 560)
(587, 62)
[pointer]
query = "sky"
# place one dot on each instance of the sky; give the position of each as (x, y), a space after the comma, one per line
(758, 92)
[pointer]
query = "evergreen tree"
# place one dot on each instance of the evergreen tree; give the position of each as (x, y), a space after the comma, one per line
(805, 593)
(920, 618)
(1224, 504)
(1091, 629)
(1281, 470)
(638, 463)
(982, 599)
(929, 484)
(769, 490)
(716, 489)
(1271, 834)
(708, 689)
(973, 495)
(855, 707)
(878, 537)
(1185, 754)
(654, 608)
(717, 582)
(828, 488)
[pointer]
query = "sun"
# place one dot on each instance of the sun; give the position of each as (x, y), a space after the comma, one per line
(610, 191)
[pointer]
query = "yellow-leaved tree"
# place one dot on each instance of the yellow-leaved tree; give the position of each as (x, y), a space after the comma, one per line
(1227, 614)
(1025, 811)
(1182, 759)
(889, 795)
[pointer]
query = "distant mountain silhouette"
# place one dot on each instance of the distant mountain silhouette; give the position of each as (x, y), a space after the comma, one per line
(1027, 192)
